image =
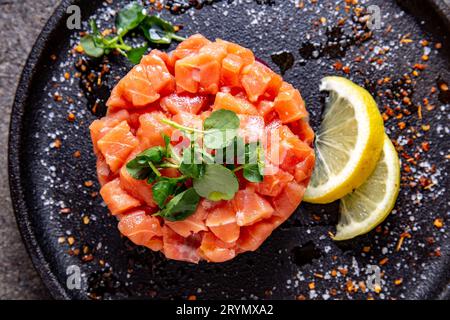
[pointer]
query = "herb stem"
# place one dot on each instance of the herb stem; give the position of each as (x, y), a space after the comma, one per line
(178, 38)
(180, 127)
(155, 170)
(169, 165)
(238, 168)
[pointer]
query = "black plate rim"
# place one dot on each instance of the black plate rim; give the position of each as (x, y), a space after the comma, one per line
(18, 197)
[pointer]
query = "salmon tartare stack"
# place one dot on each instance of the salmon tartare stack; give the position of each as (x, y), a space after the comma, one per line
(204, 151)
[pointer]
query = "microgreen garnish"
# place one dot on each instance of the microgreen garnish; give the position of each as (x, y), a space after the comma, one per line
(217, 183)
(155, 30)
(181, 206)
(210, 179)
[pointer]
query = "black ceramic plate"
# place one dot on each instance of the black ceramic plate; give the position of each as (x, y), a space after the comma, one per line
(315, 39)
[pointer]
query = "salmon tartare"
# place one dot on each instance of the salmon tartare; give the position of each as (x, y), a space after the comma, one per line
(163, 151)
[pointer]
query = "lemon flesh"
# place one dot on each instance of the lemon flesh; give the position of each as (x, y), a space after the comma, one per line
(366, 207)
(348, 143)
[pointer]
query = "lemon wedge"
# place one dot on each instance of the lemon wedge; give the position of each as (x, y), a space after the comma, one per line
(348, 143)
(366, 207)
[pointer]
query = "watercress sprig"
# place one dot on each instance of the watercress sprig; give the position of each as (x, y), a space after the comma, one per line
(132, 17)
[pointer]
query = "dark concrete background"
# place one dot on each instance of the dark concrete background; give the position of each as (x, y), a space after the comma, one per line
(20, 24)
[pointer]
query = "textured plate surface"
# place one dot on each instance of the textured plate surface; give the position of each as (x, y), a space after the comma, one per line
(410, 249)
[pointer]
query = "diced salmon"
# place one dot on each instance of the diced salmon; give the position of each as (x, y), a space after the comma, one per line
(190, 46)
(288, 201)
(178, 248)
(251, 128)
(158, 75)
(139, 189)
(117, 199)
(304, 169)
(265, 107)
(222, 222)
(234, 103)
(289, 104)
(100, 127)
(166, 58)
(231, 69)
(104, 174)
(151, 130)
(250, 207)
(183, 102)
(273, 184)
(245, 54)
(189, 120)
(286, 150)
(303, 130)
(193, 224)
(117, 144)
(257, 79)
(142, 229)
(198, 74)
(213, 249)
(253, 236)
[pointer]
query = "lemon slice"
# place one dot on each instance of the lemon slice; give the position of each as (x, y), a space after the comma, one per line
(348, 143)
(371, 203)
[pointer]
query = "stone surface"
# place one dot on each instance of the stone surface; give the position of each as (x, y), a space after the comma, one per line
(20, 24)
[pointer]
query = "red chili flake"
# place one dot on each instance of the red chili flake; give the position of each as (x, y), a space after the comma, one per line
(420, 66)
(401, 125)
(426, 146)
(77, 154)
(398, 282)
(438, 223)
(57, 143)
(88, 183)
(192, 297)
(65, 210)
(71, 117)
(438, 45)
(338, 65)
(346, 69)
(383, 261)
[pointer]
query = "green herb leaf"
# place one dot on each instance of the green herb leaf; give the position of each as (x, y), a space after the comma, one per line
(253, 170)
(129, 18)
(181, 206)
(167, 145)
(138, 170)
(154, 155)
(162, 190)
(192, 163)
(220, 129)
(135, 54)
(91, 47)
(251, 173)
(158, 30)
(217, 183)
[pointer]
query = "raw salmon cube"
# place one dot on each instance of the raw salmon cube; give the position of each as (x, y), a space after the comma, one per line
(288, 201)
(142, 229)
(183, 102)
(178, 248)
(273, 184)
(222, 222)
(117, 144)
(234, 103)
(251, 128)
(250, 207)
(193, 224)
(253, 236)
(257, 79)
(198, 73)
(213, 249)
(289, 104)
(100, 127)
(189, 46)
(139, 189)
(151, 130)
(231, 69)
(245, 54)
(117, 199)
(304, 169)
